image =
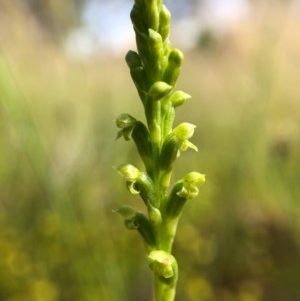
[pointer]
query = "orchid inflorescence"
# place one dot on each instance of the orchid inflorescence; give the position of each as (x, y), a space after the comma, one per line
(154, 69)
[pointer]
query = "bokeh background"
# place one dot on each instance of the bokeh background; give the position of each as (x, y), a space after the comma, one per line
(63, 80)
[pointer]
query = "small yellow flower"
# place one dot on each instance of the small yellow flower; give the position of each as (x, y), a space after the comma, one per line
(191, 182)
(125, 123)
(161, 263)
(183, 132)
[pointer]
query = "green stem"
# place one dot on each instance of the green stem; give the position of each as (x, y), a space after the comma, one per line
(163, 291)
(165, 288)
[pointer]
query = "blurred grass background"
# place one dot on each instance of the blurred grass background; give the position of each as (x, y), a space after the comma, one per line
(238, 241)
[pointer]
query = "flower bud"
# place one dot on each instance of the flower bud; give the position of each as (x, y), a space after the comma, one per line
(194, 178)
(142, 41)
(133, 59)
(152, 14)
(172, 71)
(137, 71)
(156, 41)
(191, 182)
(137, 19)
(178, 98)
(159, 89)
(129, 172)
(175, 58)
(162, 263)
(125, 120)
(155, 57)
(164, 22)
(126, 212)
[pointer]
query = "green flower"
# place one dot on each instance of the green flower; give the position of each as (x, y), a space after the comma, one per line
(131, 174)
(161, 263)
(183, 132)
(159, 90)
(191, 182)
(139, 182)
(178, 98)
(126, 123)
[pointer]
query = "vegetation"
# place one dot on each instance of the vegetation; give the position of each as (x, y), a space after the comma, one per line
(155, 69)
(59, 239)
